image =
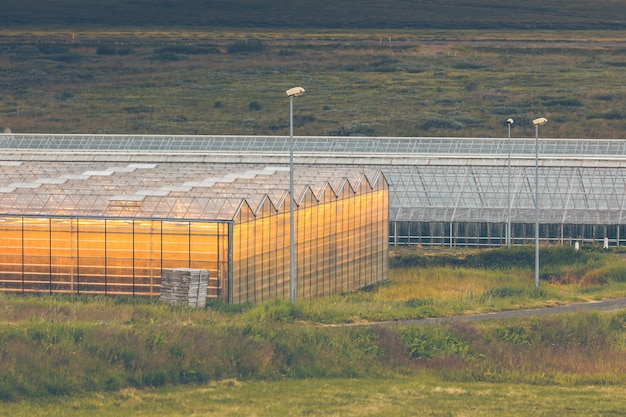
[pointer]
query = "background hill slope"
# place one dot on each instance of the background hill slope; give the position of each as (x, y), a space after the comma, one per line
(458, 14)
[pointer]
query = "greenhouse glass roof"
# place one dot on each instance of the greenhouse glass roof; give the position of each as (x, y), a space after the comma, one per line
(188, 191)
(430, 179)
(316, 144)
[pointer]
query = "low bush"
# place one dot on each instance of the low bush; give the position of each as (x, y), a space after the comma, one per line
(249, 45)
(169, 57)
(188, 49)
(441, 124)
(52, 48)
(431, 341)
(67, 58)
(564, 101)
(505, 110)
(106, 50)
(614, 271)
(355, 128)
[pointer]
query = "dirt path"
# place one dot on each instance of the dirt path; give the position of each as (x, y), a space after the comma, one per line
(607, 305)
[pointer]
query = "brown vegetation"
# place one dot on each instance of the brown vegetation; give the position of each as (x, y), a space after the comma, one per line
(369, 83)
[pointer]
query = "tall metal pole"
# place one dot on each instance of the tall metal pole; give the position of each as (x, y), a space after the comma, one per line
(536, 205)
(537, 122)
(509, 122)
(295, 91)
(292, 260)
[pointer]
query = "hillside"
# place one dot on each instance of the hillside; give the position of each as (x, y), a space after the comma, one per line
(410, 14)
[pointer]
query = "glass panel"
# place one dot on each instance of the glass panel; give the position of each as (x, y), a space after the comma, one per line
(91, 256)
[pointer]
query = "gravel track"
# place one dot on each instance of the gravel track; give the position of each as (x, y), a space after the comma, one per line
(606, 305)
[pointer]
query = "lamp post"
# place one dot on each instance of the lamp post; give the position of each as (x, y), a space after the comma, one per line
(291, 93)
(537, 122)
(509, 122)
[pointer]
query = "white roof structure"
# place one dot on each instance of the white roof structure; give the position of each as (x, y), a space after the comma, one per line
(186, 191)
(430, 179)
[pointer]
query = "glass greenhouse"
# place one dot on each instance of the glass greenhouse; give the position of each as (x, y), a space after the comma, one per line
(110, 222)
(441, 191)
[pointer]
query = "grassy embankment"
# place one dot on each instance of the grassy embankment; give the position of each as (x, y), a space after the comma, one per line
(76, 348)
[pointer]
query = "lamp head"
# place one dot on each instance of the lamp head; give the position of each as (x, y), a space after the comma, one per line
(295, 91)
(540, 121)
(509, 121)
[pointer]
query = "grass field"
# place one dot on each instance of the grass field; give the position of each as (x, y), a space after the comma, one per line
(359, 82)
(71, 355)
(400, 68)
(418, 395)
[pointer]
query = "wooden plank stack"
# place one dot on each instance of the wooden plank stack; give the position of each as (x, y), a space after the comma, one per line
(184, 286)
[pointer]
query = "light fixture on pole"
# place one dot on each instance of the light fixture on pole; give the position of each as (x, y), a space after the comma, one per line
(291, 93)
(537, 122)
(509, 122)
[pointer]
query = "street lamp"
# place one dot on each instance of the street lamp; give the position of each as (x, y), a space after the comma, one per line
(537, 122)
(509, 122)
(291, 93)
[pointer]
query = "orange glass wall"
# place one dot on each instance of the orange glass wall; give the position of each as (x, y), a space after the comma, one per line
(106, 256)
(341, 245)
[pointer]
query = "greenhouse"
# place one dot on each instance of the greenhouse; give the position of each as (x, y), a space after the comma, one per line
(99, 223)
(442, 191)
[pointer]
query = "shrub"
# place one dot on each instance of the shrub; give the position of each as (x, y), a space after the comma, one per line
(417, 302)
(564, 102)
(52, 48)
(353, 129)
(604, 96)
(467, 65)
(432, 341)
(515, 334)
(138, 109)
(24, 51)
(105, 50)
(612, 115)
(110, 50)
(505, 110)
(416, 260)
(299, 120)
(66, 95)
(250, 45)
(254, 106)
(169, 57)
(465, 119)
(386, 65)
(615, 272)
(502, 292)
(188, 49)
(441, 124)
(67, 58)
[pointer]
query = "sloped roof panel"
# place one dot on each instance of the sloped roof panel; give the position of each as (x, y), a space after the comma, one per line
(190, 191)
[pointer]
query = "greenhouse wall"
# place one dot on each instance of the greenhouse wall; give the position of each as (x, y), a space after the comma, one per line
(341, 244)
(106, 256)
(486, 235)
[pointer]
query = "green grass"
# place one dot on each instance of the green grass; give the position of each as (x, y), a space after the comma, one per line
(419, 394)
(81, 346)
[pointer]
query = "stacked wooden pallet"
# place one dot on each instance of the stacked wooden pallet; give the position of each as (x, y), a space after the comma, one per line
(184, 286)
